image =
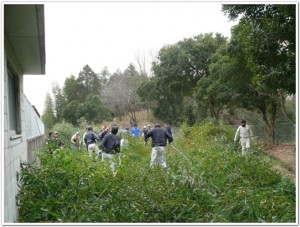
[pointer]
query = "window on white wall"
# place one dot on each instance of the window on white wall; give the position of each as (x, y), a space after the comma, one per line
(14, 113)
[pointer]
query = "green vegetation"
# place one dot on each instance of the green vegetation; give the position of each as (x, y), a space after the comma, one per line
(207, 181)
(207, 76)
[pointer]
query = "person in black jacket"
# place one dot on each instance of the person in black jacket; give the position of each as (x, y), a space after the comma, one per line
(90, 140)
(168, 129)
(111, 146)
(159, 140)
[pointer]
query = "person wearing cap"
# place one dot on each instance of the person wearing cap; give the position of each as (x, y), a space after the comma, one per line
(75, 141)
(90, 140)
(54, 142)
(159, 141)
(135, 131)
(244, 133)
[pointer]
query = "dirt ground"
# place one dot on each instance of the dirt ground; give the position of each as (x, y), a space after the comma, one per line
(286, 153)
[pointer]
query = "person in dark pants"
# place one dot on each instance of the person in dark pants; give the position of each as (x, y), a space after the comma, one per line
(159, 141)
(145, 130)
(168, 129)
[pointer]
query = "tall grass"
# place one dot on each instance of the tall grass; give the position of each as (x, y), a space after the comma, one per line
(207, 180)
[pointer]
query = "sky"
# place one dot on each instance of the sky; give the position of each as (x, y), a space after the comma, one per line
(112, 34)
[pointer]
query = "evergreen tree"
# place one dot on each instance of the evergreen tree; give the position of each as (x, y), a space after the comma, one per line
(48, 117)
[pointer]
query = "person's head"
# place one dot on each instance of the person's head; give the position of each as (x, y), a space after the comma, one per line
(149, 126)
(50, 134)
(89, 128)
(77, 133)
(157, 125)
(114, 129)
(103, 127)
(243, 123)
(135, 125)
(55, 134)
(145, 127)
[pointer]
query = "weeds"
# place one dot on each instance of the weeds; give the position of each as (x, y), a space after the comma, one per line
(212, 183)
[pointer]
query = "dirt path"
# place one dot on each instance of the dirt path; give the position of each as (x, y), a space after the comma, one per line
(286, 153)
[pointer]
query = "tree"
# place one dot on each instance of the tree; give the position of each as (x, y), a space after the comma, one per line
(177, 70)
(120, 93)
(59, 102)
(70, 112)
(267, 33)
(241, 75)
(71, 89)
(48, 117)
(88, 83)
(266, 37)
(93, 110)
(215, 91)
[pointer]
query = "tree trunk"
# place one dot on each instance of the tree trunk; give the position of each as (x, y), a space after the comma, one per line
(213, 112)
(270, 123)
(283, 109)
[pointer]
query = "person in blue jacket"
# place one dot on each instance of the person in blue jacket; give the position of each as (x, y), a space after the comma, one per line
(135, 131)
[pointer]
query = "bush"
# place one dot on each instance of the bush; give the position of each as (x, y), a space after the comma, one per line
(207, 180)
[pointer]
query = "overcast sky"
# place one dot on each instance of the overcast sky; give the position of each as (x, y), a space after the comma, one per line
(112, 33)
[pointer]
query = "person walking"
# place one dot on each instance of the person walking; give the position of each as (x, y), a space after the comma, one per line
(102, 133)
(145, 131)
(245, 134)
(83, 142)
(159, 140)
(135, 131)
(110, 146)
(168, 129)
(90, 140)
(75, 141)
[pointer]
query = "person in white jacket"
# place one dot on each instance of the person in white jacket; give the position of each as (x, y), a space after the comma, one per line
(245, 134)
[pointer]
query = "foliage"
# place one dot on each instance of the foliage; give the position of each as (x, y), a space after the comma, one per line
(70, 112)
(88, 82)
(176, 72)
(59, 102)
(80, 97)
(66, 131)
(268, 36)
(93, 109)
(48, 117)
(71, 89)
(207, 181)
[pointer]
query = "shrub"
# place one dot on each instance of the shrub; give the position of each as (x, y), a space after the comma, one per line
(207, 180)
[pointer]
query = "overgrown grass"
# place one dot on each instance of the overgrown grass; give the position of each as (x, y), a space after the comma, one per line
(207, 180)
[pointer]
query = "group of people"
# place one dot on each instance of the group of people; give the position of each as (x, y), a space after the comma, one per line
(111, 144)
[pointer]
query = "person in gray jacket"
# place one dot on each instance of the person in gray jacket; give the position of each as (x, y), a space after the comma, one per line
(159, 141)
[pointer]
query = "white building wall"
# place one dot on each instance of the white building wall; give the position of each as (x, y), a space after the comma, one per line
(16, 150)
